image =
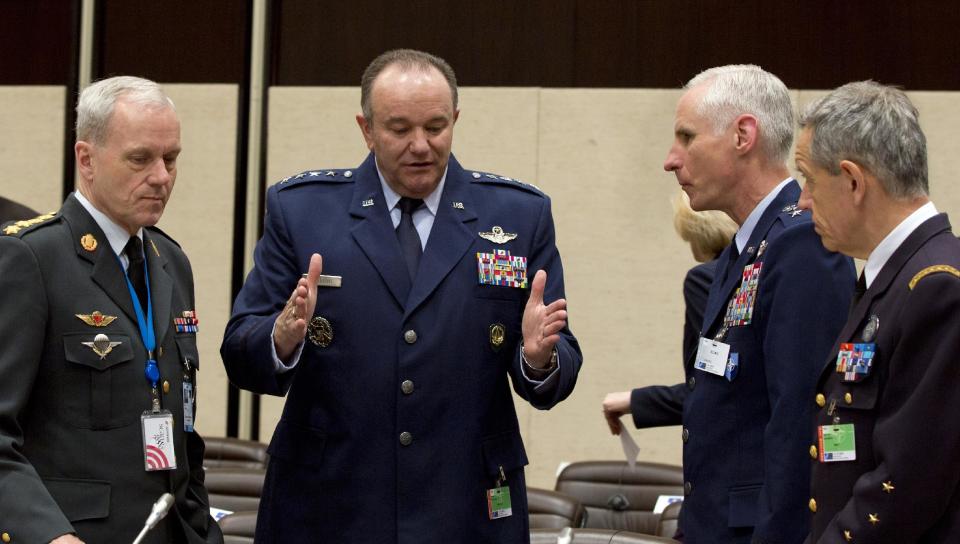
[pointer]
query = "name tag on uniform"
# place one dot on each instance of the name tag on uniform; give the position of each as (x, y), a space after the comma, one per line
(158, 451)
(837, 443)
(712, 356)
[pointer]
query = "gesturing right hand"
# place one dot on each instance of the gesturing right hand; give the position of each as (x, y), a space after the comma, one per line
(291, 325)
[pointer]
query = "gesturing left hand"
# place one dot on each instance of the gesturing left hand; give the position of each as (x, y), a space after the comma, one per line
(542, 323)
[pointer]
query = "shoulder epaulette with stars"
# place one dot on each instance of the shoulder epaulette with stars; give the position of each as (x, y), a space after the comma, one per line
(20, 227)
(792, 212)
(485, 177)
(317, 176)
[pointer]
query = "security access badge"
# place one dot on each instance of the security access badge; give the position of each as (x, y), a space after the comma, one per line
(498, 502)
(712, 357)
(855, 361)
(158, 451)
(837, 443)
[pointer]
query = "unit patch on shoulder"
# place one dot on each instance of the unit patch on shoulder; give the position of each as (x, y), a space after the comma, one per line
(16, 227)
(933, 270)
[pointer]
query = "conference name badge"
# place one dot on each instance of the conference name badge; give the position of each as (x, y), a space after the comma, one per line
(158, 453)
(837, 443)
(712, 357)
(498, 502)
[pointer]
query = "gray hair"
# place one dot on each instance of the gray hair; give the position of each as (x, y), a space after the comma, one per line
(744, 88)
(875, 126)
(96, 103)
(408, 59)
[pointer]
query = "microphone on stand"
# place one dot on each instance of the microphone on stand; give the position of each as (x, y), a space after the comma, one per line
(160, 509)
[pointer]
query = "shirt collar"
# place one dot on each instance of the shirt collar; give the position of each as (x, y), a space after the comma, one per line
(884, 250)
(432, 200)
(117, 236)
(746, 230)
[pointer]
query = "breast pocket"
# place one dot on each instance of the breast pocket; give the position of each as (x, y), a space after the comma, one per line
(100, 387)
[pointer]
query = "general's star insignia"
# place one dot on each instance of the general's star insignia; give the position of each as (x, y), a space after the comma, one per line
(497, 236)
(96, 319)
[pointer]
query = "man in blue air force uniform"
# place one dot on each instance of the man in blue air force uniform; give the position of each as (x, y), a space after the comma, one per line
(399, 424)
(885, 444)
(777, 301)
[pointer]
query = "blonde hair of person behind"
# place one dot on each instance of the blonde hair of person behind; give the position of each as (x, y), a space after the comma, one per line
(708, 232)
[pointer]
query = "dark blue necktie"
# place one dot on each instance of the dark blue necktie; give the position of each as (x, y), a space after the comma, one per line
(407, 234)
(134, 252)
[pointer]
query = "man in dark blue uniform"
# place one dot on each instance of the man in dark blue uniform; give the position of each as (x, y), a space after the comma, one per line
(886, 442)
(439, 286)
(777, 300)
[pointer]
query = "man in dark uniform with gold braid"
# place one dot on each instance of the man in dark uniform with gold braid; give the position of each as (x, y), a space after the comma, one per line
(885, 446)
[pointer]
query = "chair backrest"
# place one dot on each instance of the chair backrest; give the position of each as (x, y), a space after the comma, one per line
(552, 509)
(619, 497)
(238, 527)
(597, 536)
(668, 520)
(234, 489)
(234, 452)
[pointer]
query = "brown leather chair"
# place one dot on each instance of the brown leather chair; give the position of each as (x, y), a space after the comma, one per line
(238, 527)
(234, 489)
(667, 526)
(618, 497)
(597, 536)
(553, 510)
(234, 452)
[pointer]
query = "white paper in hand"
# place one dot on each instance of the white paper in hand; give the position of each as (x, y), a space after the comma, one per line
(630, 447)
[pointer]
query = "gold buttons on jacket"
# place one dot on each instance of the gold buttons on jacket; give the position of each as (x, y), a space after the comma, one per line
(166, 387)
(5, 537)
(821, 400)
(813, 505)
(888, 486)
(873, 519)
(406, 438)
(813, 452)
(410, 336)
(847, 536)
(848, 398)
(407, 387)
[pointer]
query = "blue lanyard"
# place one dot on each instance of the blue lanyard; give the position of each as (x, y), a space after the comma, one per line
(151, 371)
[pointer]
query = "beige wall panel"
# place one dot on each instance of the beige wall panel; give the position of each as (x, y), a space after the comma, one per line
(939, 119)
(497, 131)
(601, 156)
(31, 157)
(199, 216)
(312, 127)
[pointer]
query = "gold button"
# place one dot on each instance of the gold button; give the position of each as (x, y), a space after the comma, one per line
(5, 537)
(813, 505)
(813, 452)
(166, 387)
(847, 536)
(821, 400)
(848, 398)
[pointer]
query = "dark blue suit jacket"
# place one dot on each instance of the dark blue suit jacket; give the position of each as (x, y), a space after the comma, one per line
(745, 460)
(338, 472)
